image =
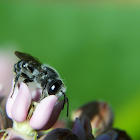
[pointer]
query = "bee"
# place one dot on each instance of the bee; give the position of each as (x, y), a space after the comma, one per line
(30, 69)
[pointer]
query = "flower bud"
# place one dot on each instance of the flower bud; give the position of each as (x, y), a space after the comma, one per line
(28, 115)
(61, 134)
(100, 115)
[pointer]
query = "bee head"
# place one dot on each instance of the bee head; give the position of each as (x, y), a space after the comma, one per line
(56, 87)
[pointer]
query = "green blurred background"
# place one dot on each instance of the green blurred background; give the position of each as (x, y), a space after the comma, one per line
(94, 46)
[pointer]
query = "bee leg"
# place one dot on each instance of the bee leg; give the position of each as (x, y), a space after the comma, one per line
(64, 101)
(15, 83)
(27, 81)
(67, 106)
(65, 97)
(43, 93)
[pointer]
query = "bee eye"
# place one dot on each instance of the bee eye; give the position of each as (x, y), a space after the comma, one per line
(24, 64)
(54, 88)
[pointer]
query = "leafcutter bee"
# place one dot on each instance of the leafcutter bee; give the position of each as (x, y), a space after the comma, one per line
(30, 69)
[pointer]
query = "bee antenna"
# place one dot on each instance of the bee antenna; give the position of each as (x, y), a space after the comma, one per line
(65, 97)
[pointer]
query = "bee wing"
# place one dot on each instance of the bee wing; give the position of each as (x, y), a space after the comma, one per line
(28, 57)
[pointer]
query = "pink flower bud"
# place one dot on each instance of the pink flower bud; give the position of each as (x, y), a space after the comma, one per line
(38, 116)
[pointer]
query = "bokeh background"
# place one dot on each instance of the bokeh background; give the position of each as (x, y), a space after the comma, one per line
(95, 46)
